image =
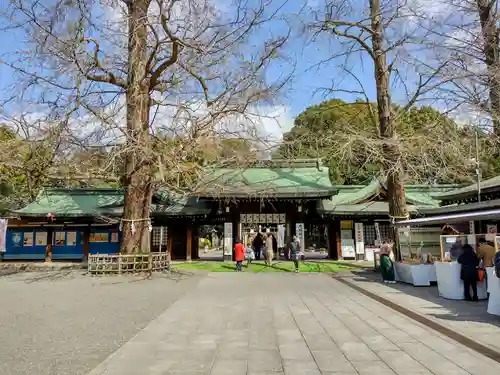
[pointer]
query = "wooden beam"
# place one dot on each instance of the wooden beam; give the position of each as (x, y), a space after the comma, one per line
(189, 241)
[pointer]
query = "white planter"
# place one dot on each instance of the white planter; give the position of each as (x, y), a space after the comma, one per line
(494, 290)
(370, 254)
(415, 274)
(450, 285)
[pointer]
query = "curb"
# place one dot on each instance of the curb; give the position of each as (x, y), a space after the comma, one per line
(464, 340)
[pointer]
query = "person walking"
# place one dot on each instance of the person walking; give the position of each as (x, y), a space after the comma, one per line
(249, 254)
(239, 255)
(293, 252)
(269, 249)
(386, 264)
(257, 245)
(468, 273)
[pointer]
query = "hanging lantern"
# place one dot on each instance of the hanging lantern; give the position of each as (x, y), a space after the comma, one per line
(120, 228)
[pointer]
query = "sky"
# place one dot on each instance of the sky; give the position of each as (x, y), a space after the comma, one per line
(310, 80)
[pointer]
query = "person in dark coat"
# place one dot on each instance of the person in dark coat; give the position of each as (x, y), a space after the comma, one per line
(257, 245)
(468, 273)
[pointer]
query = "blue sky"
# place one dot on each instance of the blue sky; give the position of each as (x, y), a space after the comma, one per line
(308, 79)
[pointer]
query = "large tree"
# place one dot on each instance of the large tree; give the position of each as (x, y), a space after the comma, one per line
(123, 72)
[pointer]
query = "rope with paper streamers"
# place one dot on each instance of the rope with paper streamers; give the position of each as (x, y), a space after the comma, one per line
(132, 221)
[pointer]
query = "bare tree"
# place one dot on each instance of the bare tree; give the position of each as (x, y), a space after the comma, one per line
(384, 33)
(150, 79)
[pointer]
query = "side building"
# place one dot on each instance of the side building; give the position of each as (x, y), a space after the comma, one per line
(472, 209)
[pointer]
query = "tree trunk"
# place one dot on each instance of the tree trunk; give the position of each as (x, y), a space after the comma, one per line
(137, 179)
(489, 30)
(391, 153)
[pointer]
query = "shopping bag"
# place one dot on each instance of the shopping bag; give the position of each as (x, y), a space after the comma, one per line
(481, 274)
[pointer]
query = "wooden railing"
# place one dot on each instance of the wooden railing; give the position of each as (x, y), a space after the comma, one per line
(108, 264)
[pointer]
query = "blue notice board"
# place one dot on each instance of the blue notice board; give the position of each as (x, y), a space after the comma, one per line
(26, 244)
(104, 241)
(67, 244)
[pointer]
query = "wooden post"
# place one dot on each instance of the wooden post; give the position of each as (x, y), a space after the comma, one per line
(48, 247)
(338, 236)
(169, 246)
(189, 241)
(86, 235)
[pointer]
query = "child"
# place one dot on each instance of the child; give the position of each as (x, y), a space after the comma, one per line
(249, 254)
(239, 254)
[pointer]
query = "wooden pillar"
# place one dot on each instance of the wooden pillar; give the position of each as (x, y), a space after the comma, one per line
(86, 235)
(48, 247)
(338, 237)
(169, 245)
(189, 241)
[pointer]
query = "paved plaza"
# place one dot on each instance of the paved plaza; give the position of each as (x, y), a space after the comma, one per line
(282, 323)
(469, 319)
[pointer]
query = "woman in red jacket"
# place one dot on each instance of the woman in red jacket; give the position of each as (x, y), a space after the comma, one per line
(239, 255)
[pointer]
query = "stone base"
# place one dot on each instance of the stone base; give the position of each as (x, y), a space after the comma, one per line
(227, 257)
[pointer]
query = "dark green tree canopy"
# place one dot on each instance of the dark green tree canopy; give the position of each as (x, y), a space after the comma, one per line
(434, 148)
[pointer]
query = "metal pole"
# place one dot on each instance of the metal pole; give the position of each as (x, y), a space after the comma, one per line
(478, 167)
(478, 173)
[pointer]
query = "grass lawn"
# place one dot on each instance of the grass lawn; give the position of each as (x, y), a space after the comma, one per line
(259, 266)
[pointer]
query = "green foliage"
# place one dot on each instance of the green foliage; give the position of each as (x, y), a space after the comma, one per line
(434, 149)
(205, 242)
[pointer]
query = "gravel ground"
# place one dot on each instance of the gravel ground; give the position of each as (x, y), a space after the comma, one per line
(66, 323)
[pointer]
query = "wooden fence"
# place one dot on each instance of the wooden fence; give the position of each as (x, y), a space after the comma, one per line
(109, 264)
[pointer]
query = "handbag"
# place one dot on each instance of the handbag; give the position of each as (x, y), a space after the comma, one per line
(481, 274)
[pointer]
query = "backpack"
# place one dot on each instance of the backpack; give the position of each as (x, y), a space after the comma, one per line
(496, 264)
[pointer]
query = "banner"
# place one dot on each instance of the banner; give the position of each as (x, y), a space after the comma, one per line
(228, 239)
(3, 235)
(299, 232)
(360, 239)
(281, 236)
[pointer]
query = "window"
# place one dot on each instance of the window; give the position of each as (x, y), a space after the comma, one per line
(370, 234)
(156, 235)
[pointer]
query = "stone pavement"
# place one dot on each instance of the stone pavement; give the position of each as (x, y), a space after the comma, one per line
(467, 318)
(283, 323)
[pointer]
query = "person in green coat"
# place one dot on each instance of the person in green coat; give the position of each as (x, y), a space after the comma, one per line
(386, 264)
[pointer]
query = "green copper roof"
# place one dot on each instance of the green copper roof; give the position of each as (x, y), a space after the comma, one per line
(470, 191)
(268, 181)
(370, 199)
(104, 202)
(72, 202)
(364, 209)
